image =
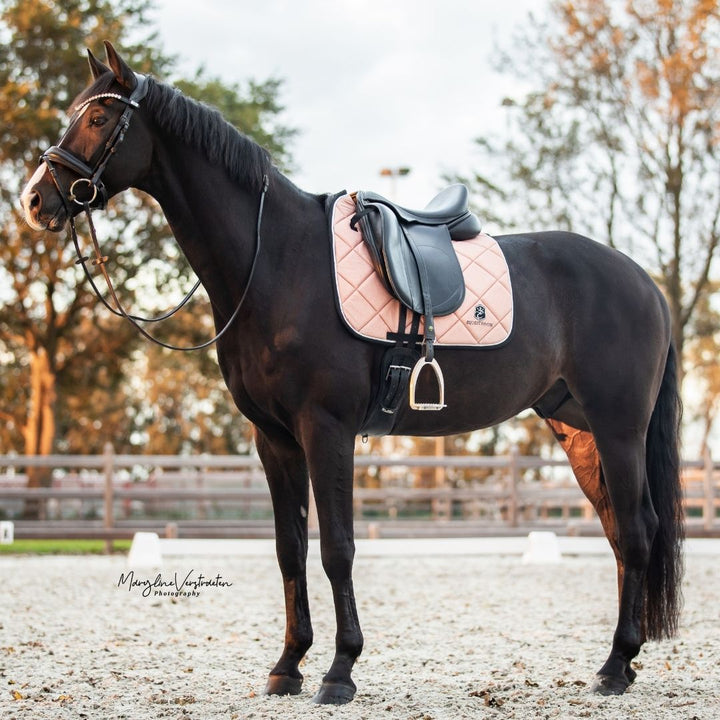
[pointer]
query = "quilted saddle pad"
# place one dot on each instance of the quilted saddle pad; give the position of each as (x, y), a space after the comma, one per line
(484, 319)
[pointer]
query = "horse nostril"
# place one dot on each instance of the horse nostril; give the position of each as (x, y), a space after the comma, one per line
(34, 200)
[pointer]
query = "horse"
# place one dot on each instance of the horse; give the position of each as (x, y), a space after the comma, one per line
(590, 351)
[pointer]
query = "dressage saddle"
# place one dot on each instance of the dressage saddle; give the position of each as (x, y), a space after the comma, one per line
(413, 254)
(411, 249)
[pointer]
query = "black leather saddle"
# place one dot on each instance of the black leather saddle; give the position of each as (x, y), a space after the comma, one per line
(413, 254)
(411, 249)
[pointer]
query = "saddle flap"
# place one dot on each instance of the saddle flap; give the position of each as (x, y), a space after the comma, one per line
(437, 266)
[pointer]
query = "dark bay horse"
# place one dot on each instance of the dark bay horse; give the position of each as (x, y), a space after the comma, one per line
(590, 350)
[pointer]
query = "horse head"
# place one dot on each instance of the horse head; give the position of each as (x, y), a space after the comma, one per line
(85, 169)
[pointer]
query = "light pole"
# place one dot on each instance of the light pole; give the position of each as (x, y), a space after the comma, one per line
(393, 174)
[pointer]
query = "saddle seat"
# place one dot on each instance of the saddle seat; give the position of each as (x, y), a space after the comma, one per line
(449, 207)
(413, 255)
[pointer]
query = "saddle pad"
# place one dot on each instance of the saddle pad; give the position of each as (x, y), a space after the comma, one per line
(484, 319)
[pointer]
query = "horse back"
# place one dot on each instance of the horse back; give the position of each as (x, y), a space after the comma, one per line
(579, 273)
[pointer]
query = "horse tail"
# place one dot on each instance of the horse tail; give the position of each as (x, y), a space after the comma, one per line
(663, 598)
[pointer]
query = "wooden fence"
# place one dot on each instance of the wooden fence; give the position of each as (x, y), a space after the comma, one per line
(113, 496)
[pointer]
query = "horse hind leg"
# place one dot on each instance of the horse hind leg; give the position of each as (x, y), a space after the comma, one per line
(630, 469)
(624, 467)
(612, 473)
(582, 452)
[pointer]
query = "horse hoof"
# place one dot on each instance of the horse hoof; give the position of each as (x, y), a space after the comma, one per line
(610, 685)
(334, 693)
(283, 685)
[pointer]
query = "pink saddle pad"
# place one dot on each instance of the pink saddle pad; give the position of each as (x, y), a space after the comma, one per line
(484, 319)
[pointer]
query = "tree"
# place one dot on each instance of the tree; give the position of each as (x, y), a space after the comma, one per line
(254, 110)
(71, 373)
(48, 321)
(620, 139)
(703, 349)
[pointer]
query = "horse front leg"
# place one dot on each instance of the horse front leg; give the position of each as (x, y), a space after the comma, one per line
(330, 456)
(287, 476)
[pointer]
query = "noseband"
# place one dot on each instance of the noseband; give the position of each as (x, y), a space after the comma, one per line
(95, 191)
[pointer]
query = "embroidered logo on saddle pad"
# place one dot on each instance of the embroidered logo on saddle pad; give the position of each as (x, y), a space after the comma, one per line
(484, 319)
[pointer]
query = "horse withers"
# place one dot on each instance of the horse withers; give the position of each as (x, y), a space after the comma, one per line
(590, 350)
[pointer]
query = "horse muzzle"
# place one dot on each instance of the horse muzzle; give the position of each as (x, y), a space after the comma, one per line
(42, 206)
(48, 205)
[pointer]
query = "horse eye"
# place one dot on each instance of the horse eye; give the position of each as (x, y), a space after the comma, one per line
(97, 121)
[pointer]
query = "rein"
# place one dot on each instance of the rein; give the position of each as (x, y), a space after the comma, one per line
(101, 260)
(96, 191)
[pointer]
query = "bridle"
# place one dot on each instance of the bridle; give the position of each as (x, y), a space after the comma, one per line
(92, 175)
(89, 191)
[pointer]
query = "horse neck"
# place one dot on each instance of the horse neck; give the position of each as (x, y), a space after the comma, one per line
(214, 218)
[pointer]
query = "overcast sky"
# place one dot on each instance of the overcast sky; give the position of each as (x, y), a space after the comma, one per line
(368, 84)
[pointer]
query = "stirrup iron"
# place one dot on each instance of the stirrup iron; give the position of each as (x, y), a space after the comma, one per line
(419, 365)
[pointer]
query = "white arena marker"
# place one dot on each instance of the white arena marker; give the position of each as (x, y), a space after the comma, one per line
(145, 551)
(7, 533)
(544, 549)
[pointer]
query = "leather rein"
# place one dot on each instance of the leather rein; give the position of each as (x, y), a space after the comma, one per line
(89, 190)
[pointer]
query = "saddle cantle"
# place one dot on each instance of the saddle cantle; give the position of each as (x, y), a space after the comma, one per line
(412, 253)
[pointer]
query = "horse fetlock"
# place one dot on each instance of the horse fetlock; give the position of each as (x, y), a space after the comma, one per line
(297, 642)
(351, 647)
(300, 645)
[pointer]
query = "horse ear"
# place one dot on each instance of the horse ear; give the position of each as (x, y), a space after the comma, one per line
(96, 67)
(123, 74)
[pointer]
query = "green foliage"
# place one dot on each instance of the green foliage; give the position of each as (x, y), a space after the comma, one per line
(253, 111)
(62, 547)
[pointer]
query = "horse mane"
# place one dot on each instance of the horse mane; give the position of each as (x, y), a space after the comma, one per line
(205, 129)
(199, 126)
